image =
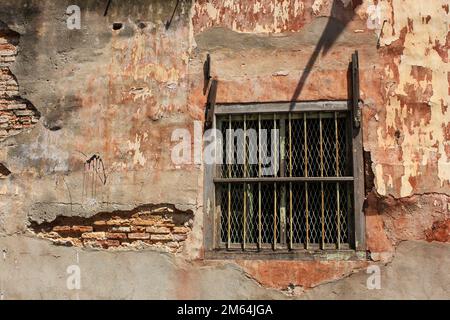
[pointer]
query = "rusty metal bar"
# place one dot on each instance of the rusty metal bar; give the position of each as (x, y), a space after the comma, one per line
(305, 127)
(259, 184)
(245, 217)
(245, 146)
(259, 216)
(230, 136)
(321, 184)
(291, 222)
(283, 197)
(245, 185)
(275, 216)
(275, 149)
(275, 185)
(230, 144)
(290, 145)
(283, 179)
(338, 209)
(229, 217)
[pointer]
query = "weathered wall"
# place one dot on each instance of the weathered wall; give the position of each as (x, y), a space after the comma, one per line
(86, 118)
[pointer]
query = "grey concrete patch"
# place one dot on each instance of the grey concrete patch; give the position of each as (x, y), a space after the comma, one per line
(223, 38)
(418, 271)
(35, 269)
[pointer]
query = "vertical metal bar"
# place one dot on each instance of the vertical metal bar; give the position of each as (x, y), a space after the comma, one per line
(338, 204)
(259, 216)
(282, 146)
(250, 188)
(348, 188)
(321, 183)
(283, 196)
(229, 155)
(275, 217)
(259, 146)
(321, 144)
(275, 155)
(229, 217)
(275, 149)
(230, 136)
(245, 185)
(245, 146)
(259, 184)
(305, 143)
(336, 125)
(290, 145)
(245, 216)
(291, 222)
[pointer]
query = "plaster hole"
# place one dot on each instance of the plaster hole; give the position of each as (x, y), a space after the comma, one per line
(369, 175)
(4, 170)
(117, 26)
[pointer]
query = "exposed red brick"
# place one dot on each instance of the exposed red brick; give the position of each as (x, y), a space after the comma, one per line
(180, 237)
(112, 243)
(174, 245)
(118, 222)
(94, 235)
(101, 244)
(165, 224)
(16, 114)
(138, 228)
(181, 230)
(161, 237)
(440, 231)
(114, 235)
(389, 220)
(105, 232)
(158, 230)
(120, 229)
(61, 228)
(82, 228)
(142, 222)
(139, 236)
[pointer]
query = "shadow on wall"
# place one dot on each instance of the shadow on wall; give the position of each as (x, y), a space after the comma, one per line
(4, 171)
(339, 19)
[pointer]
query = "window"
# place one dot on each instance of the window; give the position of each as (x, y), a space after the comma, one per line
(285, 180)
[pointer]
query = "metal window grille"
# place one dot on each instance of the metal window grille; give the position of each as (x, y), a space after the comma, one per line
(302, 198)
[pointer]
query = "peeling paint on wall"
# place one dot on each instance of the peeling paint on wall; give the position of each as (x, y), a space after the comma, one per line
(254, 16)
(124, 91)
(416, 97)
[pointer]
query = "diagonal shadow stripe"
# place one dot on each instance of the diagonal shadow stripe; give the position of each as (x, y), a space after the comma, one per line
(330, 34)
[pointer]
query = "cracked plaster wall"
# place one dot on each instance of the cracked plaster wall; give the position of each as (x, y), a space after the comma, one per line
(117, 95)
